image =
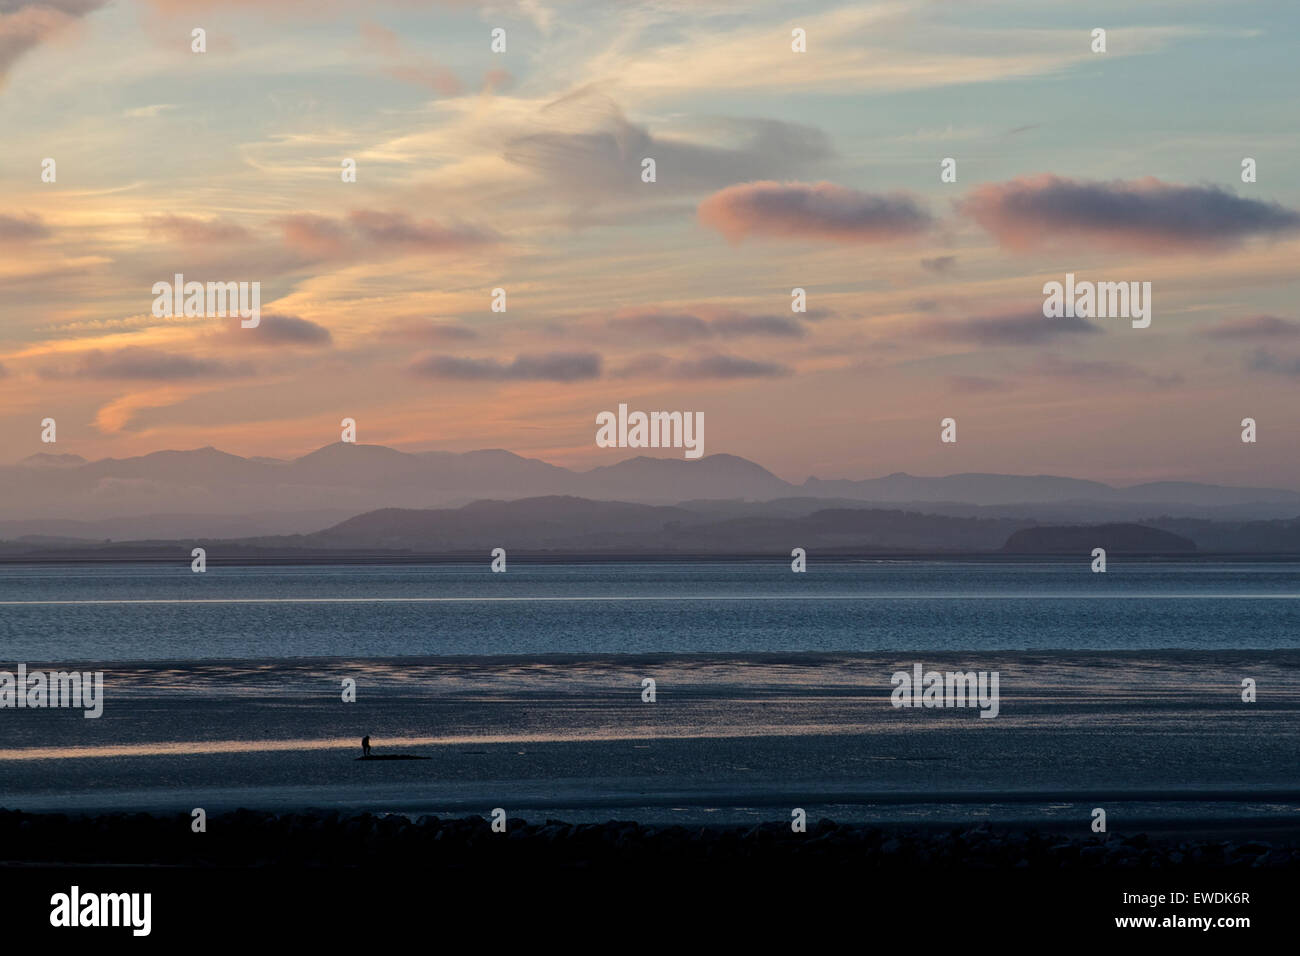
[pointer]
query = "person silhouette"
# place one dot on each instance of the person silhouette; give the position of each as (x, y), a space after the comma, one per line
(365, 746)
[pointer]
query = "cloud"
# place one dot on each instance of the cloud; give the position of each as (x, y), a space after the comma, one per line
(940, 264)
(588, 151)
(1099, 371)
(367, 231)
(713, 366)
(148, 112)
(726, 366)
(405, 65)
(657, 325)
(192, 229)
(26, 25)
(1264, 361)
(546, 367)
(643, 365)
(1255, 327)
(708, 323)
(1144, 215)
(119, 414)
(812, 211)
(136, 362)
(399, 229)
(316, 236)
(1019, 328)
(737, 324)
(435, 332)
(976, 384)
(430, 76)
(275, 329)
(816, 315)
(497, 81)
(539, 15)
(21, 229)
(858, 47)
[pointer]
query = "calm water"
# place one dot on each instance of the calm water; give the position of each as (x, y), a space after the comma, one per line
(1130, 692)
(157, 612)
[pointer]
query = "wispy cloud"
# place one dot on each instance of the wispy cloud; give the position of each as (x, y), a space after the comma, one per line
(148, 112)
(1016, 328)
(887, 46)
(1255, 327)
(25, 25)
(1265, 361)
(940, 264)
(403, 64)
(148, 364)
(583, 146)
(657, 325)
(711, 366)
(192, 229)
(1100, 371)
(278, 330)
(22, 228)
(977, 384)
(547, 367)
(367, 232)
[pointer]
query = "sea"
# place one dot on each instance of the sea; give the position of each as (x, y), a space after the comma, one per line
(122, 612)
(1167, 692)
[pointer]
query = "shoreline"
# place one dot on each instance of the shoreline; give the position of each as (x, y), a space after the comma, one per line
(327, 838)
(175, 554)
(640, 657)
(734, 737)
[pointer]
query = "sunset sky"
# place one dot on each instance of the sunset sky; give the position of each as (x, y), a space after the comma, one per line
(775, 170)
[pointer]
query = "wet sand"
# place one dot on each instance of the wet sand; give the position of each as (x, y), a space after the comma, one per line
(1154, 737)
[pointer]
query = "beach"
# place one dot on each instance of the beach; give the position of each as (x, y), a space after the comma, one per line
(1155, 737)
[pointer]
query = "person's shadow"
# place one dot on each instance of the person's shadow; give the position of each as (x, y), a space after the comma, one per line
(367, 755)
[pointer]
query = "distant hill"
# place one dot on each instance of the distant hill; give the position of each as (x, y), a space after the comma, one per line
(982, 489)
(547, 523)
(559, 525)
(577, 524)
(209, 492)
(1257, 537)
(1114, 538)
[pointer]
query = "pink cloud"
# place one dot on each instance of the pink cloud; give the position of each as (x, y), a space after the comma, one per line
(192, 229)
(1145, 215)
(812, 211)
(366, 232)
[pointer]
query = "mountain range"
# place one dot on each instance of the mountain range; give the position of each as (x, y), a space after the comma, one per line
(210, 492)
(371, 495)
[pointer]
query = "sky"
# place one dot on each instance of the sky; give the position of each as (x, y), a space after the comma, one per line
(774, 170)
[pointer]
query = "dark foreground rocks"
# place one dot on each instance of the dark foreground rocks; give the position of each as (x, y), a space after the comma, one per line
(317, 838)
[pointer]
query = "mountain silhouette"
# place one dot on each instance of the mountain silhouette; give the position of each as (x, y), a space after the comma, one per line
(206, 491)
(1113, 538)
(566, 526)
